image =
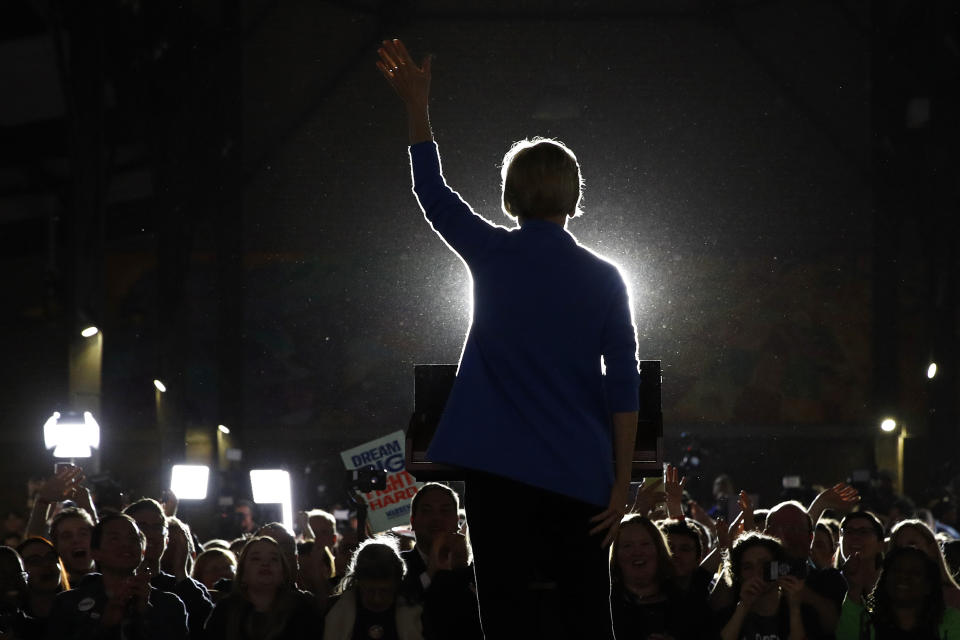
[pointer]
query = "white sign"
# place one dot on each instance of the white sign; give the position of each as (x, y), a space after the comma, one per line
(389, 507)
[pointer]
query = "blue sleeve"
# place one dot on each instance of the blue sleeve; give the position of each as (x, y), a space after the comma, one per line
(622, 378)
(467, 233)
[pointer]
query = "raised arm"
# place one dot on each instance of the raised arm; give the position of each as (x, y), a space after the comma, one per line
(412, 84)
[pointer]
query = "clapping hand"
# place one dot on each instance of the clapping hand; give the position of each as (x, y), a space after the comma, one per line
(62, 486)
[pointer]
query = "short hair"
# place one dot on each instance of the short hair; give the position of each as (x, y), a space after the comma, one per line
(683, 528)
(207, 556)
(743, 544)
(239, 585)
(375, 559)
(96, 536)
(873, 520)
(326, 515)
(65, 514)
(665, 571)
(144, 504)
(433, 486)
(790, 503)
(287, 542)
(215, 543)
(541, 179)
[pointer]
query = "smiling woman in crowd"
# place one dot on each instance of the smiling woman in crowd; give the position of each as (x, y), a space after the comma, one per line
(645, 599)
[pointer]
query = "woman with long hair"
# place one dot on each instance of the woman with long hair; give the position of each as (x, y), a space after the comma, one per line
(915, 533)
(645, 599)
(368, 603)
(265, 603)
(768, 604)
(907, 602)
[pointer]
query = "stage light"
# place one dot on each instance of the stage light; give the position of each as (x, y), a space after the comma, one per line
(189, 481)
(162, 388)
(272, 486)
(89, 332)
(222, 428)
(71, 434)
(888, 425)
(932, 370)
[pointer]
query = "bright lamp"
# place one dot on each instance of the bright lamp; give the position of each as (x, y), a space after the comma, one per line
(71, 434)
(272, 486)
(189, 481)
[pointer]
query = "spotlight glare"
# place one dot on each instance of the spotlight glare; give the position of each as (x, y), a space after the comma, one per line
(222, 428)
(189, 482)
(932, 370)
(273, 486)
(888, 425)
(162, 388)
(71, 435)
(89, 332)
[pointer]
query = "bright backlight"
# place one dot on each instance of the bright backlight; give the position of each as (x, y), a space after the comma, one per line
(72, 435)
(189, 481)
(932, 370)
(89, 332)
(162, 388)
(272, 486)
(888, 425)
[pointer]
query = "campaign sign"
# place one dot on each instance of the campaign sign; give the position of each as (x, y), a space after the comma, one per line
(389, 507)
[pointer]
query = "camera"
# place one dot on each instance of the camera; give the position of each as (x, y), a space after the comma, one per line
(773, 571)
(367, 479)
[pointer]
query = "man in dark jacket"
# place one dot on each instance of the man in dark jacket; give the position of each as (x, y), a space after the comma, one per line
(439, 574)
(150, 519)
(117, 603)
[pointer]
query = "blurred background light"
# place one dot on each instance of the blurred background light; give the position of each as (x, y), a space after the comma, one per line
(71, 435)
(162, 388)
(932, 370)
(189, 481)
(89, 332)
(272, 486)
(888, 425)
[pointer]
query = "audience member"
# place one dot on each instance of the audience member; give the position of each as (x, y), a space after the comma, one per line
(369, 603)
(645, 599)
(861, 552)
(46, 576)
(150, 519)
(824, 547)
(822, 589)
(14, 596)
(906, 603)
(264, 603)
(769, 603)
(213, 565)
(70, 533)
(118, 602)
(915, 533)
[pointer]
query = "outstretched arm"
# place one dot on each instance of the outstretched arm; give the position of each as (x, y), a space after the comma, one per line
(412, 84)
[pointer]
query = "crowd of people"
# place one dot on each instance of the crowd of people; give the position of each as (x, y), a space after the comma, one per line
(842, 566)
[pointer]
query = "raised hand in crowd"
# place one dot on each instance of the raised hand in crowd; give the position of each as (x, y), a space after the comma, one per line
(673, 491)
(746, 512)
(649, 493)
(65, 484)
(840, 497)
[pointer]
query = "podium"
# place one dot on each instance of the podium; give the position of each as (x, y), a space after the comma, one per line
(432, 385)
